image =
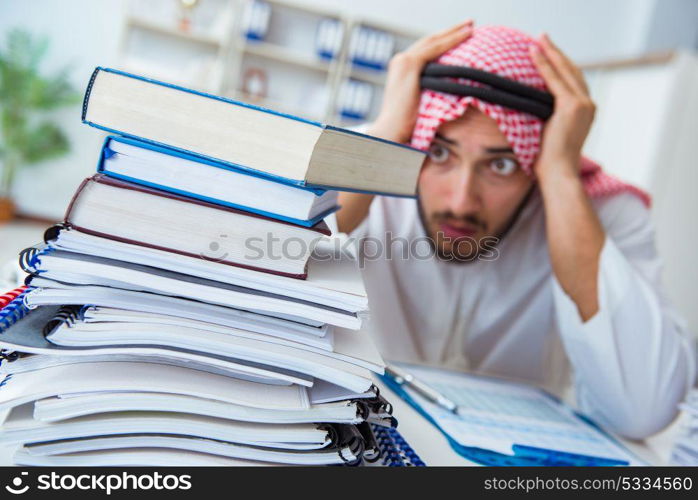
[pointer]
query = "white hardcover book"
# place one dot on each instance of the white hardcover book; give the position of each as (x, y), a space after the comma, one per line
(245, 136)
(226, 185)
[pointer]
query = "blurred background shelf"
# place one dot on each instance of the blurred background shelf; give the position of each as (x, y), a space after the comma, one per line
(374, 77)
(137, 23)
(273, 53)
(296, 59)
(283, 54)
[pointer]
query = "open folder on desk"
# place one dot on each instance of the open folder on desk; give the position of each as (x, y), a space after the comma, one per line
(495, 422)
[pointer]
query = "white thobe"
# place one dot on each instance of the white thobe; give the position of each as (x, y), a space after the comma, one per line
(630, 364)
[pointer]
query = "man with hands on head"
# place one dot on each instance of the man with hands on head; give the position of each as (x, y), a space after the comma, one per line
(542, 268)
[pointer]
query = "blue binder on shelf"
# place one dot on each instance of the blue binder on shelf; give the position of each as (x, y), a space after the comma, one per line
(522, 455)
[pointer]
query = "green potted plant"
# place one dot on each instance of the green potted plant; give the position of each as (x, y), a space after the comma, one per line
(27, 136)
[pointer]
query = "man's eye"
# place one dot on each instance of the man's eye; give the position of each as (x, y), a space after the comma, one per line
(504, 166)
(438, 153)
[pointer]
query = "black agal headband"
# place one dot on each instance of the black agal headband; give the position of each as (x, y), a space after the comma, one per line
(502, 91)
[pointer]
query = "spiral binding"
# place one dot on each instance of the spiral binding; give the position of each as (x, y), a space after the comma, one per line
(14, 311)
(10, 296)
(8, 355)
(5, 300)
(27, 259)
(345, 436)
(68, 315)
(396, 451)
(379, 404)
(52, 232)
(362, 410)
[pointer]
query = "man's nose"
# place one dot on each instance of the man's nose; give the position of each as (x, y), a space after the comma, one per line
(464, 194)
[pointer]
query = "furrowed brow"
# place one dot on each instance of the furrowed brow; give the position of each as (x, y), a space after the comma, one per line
(446, 139)
(499, 150)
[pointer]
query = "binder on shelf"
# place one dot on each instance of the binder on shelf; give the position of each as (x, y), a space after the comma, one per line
(355, 100)
(256, 20)
(328, 38)
(370, 48)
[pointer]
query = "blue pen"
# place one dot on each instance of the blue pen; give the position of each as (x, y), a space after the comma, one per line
(554, 457)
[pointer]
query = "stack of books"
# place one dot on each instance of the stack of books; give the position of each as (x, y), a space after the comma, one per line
(192, 309)
(685, 451)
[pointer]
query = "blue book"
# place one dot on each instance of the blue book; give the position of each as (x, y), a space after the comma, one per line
(170, 170)
(247, 137)
(497, 422)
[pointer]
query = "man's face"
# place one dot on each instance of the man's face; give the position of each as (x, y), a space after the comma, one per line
(471, 186)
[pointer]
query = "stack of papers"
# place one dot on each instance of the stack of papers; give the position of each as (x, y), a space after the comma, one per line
(157, 328)
(113, 355)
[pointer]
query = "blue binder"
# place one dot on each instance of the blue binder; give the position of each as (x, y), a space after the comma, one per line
(523, 455)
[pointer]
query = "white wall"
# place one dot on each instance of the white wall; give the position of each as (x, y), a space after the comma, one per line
(645, 132)
(674, 24)
(589, 30)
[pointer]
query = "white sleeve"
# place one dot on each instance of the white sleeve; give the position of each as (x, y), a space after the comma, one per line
(634, 360)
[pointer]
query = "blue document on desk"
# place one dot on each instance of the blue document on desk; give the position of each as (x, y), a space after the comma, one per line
(504, 423)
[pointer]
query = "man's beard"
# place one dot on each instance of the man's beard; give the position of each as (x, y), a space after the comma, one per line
(464, 250)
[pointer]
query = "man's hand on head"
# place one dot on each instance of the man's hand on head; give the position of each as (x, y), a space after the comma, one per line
(400, 106)
(566, 130)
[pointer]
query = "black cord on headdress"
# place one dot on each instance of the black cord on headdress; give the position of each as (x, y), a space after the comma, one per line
(500, 90)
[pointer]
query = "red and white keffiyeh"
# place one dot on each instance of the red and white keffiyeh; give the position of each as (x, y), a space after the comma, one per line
(505, 52)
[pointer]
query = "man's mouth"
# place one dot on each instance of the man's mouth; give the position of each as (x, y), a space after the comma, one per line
(457, 231)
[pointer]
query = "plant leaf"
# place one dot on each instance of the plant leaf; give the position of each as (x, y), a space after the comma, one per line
(45, 141)
(24, 93)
